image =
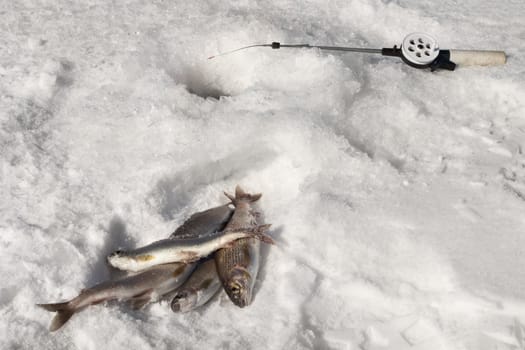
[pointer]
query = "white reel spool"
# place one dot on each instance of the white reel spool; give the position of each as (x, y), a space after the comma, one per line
(420, 49)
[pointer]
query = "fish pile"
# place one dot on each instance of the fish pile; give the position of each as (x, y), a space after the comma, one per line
(213, 248)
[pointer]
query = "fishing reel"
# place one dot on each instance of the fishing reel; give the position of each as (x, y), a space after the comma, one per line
(420, 50)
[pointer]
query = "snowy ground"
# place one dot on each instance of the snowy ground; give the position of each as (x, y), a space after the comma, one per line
(397, 195)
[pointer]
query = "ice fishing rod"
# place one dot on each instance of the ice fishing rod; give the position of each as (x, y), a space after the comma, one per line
(418, 50)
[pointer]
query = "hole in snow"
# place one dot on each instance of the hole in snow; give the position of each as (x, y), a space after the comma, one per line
(204, 91)
(198, 82)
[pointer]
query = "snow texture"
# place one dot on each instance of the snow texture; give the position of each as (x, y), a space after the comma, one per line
(396, 195)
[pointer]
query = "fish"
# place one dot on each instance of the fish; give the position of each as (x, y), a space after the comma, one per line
(204, 282)
(182, 250)
(204, 222)
(238, 264)
(202, 285)
(138, 290)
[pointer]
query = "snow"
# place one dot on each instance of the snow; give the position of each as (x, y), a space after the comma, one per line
(396, 195)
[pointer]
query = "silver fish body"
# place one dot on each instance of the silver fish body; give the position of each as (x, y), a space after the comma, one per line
(204, 223)
(181, 250)
(202, 285)
(238, 264)
(139, 289)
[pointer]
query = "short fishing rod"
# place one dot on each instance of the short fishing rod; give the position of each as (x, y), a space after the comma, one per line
(418, 50)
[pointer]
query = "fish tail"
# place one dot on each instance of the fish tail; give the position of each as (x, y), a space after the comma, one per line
(240, 195)
(259, 233)
(64, 312)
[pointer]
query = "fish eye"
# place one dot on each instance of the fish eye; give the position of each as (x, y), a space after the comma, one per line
(235, 288)
(117, 253)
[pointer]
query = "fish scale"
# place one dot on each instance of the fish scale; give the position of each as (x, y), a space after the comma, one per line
(237, 255)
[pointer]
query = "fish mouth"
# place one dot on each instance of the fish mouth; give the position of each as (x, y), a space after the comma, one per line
(242, 302)
(183, 301)
(119, 260)
(115, 254)
(239, 291)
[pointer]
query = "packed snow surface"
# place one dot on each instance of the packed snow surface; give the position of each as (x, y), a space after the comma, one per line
(397, 196)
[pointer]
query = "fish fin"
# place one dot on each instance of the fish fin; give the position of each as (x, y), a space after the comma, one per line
(255, 197)
(64, 313)
(262, 228)
(265, 239)
(258, 232)
(140, 300)
(54, 307)
(230, 197)
(60, 319)
(229, 245)
(240, 195)
(255, 230)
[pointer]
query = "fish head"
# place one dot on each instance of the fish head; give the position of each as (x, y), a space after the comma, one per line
(116, 253)
(184, 301)
(239, 287)
(119, 259)
(114, 257)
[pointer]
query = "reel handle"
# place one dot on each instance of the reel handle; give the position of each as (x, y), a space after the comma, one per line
(478, 57)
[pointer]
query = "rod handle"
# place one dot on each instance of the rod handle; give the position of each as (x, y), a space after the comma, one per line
(478, 57)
